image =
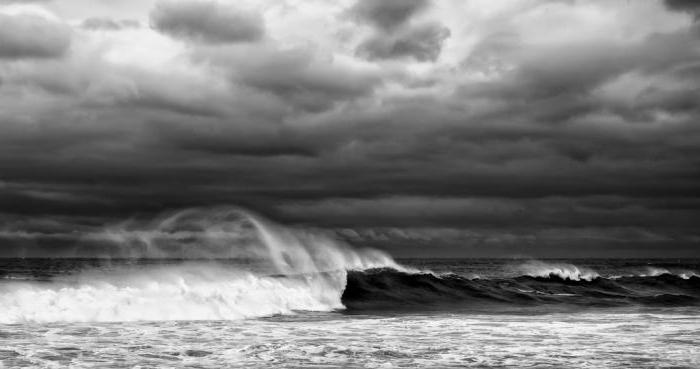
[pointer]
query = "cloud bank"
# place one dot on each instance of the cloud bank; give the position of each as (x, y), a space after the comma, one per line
(453, 128)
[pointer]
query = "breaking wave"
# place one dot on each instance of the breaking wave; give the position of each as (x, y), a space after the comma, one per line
(281, 270)
(535, 268)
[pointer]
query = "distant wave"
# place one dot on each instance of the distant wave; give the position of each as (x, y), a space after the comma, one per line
(656, 271)
(535, 268)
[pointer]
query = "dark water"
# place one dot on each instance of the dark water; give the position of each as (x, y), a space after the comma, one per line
(87, 313)
(495, 283)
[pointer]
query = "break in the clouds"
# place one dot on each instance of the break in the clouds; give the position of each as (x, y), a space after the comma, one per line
(470, 128)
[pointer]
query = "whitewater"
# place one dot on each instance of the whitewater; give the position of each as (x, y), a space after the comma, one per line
(225, 287)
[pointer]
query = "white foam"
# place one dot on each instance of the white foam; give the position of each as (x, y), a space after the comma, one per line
(536, 268)
(688, 275)
(657, 271)
(183, 292)
(654, 272)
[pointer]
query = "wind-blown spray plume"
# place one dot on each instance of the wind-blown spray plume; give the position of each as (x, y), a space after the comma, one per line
(234, 232)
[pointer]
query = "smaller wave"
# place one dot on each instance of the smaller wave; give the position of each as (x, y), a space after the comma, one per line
(536, 268)
(688, 275)
(656, 272)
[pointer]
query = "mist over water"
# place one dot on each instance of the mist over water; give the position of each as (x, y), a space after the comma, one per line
(235, 233)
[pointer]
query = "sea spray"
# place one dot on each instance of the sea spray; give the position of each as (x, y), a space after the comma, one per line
(235, 233)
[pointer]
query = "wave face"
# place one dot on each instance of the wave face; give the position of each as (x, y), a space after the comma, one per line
(279, 270)
(383, 289)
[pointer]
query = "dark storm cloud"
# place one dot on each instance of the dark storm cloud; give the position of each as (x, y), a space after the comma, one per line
(29, 36)
(387, 14)
(97, 23)
(422, 43)
(506, 143)
(690, 6)
(206, 21)
(465, 212)
(223, 138)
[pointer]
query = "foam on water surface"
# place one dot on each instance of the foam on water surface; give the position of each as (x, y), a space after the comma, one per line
(583, 340)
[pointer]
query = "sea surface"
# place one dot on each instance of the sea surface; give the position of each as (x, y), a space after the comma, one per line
(406, 313)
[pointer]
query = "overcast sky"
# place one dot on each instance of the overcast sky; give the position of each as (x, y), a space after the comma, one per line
(443, 128)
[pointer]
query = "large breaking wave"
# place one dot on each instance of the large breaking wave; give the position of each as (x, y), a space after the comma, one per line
(282, 270)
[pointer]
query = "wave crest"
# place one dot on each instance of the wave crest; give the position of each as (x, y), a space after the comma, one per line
(535, 268)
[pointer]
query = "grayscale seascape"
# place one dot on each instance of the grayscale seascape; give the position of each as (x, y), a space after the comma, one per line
(350, 184)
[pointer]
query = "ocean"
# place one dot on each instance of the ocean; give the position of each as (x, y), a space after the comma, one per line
(87, 313)
(300, 299)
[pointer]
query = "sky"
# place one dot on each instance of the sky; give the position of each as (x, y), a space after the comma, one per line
(445, 128)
